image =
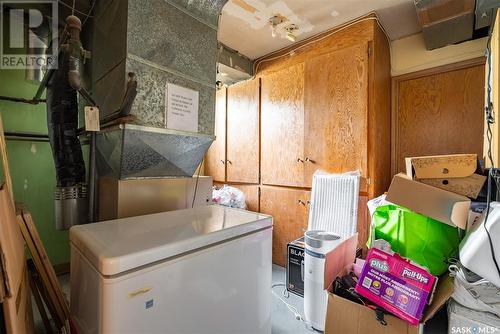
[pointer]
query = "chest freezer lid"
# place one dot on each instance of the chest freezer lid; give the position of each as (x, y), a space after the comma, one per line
(116, 246)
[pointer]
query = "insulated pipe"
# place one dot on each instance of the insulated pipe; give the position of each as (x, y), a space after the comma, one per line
(62, 123)
(74, 48)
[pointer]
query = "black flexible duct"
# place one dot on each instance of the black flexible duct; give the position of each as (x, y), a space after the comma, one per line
(62, 123)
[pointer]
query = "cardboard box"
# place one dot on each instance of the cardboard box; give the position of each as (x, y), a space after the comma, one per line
(397, 285)
(455, 173)
(346, 317)
(441, 205)
(295, 267)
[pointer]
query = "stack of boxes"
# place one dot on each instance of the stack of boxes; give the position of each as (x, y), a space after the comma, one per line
(437, 187)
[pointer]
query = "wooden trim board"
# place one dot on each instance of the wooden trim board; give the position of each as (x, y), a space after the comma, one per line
(43, 266)
(5, 162)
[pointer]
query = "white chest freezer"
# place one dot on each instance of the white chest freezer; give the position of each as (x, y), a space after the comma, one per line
(201, 270)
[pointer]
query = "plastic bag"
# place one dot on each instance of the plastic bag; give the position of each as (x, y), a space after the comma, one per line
(421, 239)
(229, 196)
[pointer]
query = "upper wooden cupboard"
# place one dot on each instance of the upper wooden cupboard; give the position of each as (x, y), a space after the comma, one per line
(234, 155)
(328, 108)
(242, 155)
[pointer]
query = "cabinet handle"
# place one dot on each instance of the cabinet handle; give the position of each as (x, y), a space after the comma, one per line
(309, 203)
(300, 160)
(229, 162)
(310, 160)
(222, 162)
(301, 202)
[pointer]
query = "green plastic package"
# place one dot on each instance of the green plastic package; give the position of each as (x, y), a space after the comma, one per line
(419, 238)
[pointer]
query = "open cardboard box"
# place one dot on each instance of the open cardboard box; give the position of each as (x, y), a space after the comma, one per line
(346, 317)
(455, 173)
(441, 205)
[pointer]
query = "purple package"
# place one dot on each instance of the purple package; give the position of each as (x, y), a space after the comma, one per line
(395, 284)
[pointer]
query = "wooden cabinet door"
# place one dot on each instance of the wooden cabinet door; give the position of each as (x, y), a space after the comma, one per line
(440, 113)
(242, 161)
(215, 160)
(336, 112)
(282, 127)
(289, 209)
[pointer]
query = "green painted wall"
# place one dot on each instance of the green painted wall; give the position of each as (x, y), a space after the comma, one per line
(31, 164)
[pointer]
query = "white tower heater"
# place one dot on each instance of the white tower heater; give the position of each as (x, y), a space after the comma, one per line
(318, 243)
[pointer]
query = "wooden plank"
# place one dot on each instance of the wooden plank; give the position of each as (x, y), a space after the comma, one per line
(17, 309)
(60, 314)
(336, 109)
(5, 162)
(242, 137)
(17, 305)
(39, 303)
(40, 249)
(289, 209)
(282, 134)
(215, 161)
(440, 114)
(47, 300)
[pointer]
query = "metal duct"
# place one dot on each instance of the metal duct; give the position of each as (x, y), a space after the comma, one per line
(485, 12)
(71, 204)
(131, 151)
(445, 22)
(160, 41)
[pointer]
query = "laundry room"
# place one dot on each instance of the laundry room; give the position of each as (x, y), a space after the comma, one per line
(249, 166)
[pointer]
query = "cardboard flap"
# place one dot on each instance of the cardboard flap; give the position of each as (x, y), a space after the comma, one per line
(441, 205)
(339, 258)
(444, 290)
(441, 166)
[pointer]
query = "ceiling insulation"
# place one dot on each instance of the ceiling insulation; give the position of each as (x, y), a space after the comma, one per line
(245, 26)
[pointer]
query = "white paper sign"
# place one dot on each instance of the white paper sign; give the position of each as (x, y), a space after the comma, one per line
(181, 108)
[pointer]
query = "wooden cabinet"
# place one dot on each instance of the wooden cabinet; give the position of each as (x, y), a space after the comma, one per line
(283, 127)
(215, 160)
(289, 208)
(328, 112)
(336, 107)
(325, 105)
(242, 137)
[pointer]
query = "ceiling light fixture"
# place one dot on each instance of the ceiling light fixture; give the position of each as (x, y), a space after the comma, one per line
(291, 29)
(273, 22)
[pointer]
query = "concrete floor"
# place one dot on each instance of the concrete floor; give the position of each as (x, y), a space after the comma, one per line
(282, 319)
(284, 322)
